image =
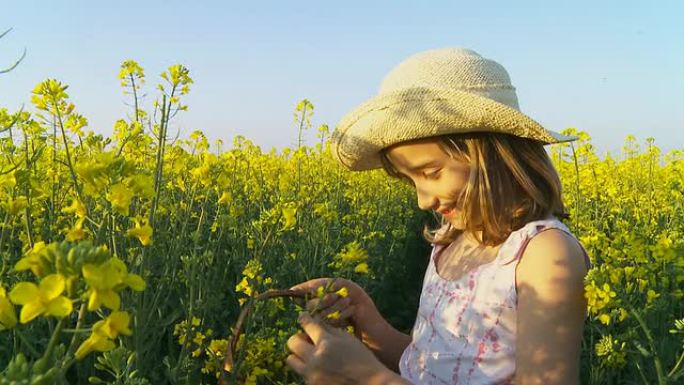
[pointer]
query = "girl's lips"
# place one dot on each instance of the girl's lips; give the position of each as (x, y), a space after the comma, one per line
(447, 211)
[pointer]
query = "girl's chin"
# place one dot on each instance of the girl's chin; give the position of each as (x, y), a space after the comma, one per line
(455, 218)
(457, 225)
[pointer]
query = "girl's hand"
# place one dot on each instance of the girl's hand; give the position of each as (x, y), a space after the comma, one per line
(356, 309)
(324, 355)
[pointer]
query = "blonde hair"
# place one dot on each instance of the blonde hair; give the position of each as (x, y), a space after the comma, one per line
(512, 182)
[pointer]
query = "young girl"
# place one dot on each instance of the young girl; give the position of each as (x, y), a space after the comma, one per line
(503, 294)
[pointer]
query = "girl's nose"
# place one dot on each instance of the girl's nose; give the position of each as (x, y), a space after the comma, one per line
(426, 201)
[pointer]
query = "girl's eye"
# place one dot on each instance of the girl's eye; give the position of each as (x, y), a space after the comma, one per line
(433, 175)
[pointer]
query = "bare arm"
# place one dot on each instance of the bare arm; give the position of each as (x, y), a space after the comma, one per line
(387, 343)
(551, 310)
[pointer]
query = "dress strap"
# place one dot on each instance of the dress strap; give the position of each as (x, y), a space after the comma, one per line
(519, 239)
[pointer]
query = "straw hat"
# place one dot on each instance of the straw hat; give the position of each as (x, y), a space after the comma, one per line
(435, 92)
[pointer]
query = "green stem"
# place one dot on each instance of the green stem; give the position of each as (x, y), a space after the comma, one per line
(577, 188)
(28, 218)
(54, 339)
(641, 373)
(679, 362)
(135, 99)
(299, 145)
(160, 160)
(79, 322)
(662, 380)
(5, 259)
(67, 364)
(68, 155)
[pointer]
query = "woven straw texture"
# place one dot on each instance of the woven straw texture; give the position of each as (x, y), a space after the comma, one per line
(436, 92)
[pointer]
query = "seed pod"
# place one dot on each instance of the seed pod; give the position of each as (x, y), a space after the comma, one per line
(40, 366)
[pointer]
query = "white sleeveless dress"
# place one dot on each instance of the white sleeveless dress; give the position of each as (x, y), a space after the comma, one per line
(465, 330)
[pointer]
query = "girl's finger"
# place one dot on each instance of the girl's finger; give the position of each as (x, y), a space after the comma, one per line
(311, 285)
(315, 329)
(322, 303)
(343, 319)
(347, 313)
(338, 306)
(312, 304)
(301, 345)
(296, 364)
(329, 284)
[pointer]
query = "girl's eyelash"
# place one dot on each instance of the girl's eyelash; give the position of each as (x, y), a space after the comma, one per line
(433, 175)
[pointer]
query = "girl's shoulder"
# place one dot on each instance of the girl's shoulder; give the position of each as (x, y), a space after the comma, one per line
(544, 223)
(550, 239)
(548, 234)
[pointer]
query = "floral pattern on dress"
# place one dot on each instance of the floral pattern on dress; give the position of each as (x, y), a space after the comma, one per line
(465, 328)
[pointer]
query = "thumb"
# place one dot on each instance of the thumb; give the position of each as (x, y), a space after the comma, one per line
(311, 284)
(314, 328)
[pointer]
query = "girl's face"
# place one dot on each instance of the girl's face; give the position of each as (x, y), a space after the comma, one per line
(438, 178)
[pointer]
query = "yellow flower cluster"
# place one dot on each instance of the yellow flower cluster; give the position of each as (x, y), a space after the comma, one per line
(252, 280)
(69, 274)
(265, 359)
(8, 318)
(106, 280)
(352, 258)
(45, 299)
(611, 351)
(195, 343)
(199, 345)
(104, 332)
(142, 231)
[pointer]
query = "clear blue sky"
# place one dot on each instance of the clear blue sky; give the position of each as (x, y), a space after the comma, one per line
(611, 68)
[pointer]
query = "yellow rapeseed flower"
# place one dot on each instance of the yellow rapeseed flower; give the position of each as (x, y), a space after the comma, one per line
(289, 214)
(225, 198)
(34, 260)
(8, 180)
(252, 269)
(120, 197)
(142, 185)
(353, 253)
(76, 207)
(343, 292)
(96, 342)
(116, 323)
(198, 338)
(334, 315)
(142, 232)
(104, 332)
(611, 351)
(256, 373)
(8, 317)
(76, 233)
(102, 281)
(218, 347)
(243, 287)
(43, 299)
(361, 268)
(105, 280)
(15, 206)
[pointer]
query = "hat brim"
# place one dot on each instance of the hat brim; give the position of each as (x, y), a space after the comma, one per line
(410, 114)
